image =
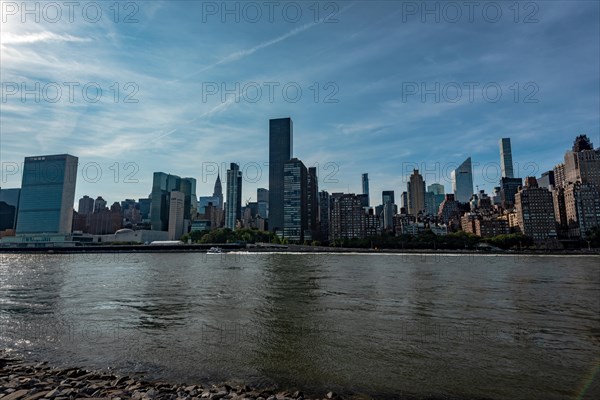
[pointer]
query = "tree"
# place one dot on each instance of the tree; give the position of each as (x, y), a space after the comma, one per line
(593, 236)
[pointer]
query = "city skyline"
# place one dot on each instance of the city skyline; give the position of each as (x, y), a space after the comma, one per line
(168, 131)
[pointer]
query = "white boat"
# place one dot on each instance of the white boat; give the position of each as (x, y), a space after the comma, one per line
(214, 250)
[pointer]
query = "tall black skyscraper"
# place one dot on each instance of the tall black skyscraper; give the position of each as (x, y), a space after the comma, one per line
(234, 196)
(280, 151)
(313, 201)
(365, 189)
(506, 162)
(295, 201)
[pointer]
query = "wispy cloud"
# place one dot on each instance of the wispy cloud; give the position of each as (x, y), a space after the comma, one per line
(45, 36)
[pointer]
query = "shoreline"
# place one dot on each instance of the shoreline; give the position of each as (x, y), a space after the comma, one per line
(32, 380)
(289, 249)
(22, 379)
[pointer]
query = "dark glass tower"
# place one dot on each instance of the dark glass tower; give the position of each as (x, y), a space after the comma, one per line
(313, 202)
(47, 194)
(506, 163)
(162, 186)
(295, 200)
(365, 188)
(280, 151)
(218, 191)
(234, 196)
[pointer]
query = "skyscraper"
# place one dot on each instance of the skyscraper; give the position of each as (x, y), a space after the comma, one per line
(86, 205)
(582, 164)
(312, 198)
(388, 209)
(365, 188)
(280, 151)
(47, 194)
(416, 193)
(387, 195)
(99, 204)
(295, 201)
(218, 192)
(508, 189)
(188, 186)
(462, 181)
(436, 188)
(535, 211)
(234, 196)
(506, 162)
(347, 217)
(262, 198)
(404, 202)
(176, 214)
(582, 208)
(162, 186)
(324, 210)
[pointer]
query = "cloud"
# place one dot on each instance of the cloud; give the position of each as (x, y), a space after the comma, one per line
(45, 36)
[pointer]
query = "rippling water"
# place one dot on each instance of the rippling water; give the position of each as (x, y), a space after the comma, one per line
(469, 326)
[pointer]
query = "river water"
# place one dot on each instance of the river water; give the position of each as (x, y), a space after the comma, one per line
(465, 326)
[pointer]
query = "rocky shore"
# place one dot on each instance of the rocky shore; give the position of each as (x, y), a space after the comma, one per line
(20, 380)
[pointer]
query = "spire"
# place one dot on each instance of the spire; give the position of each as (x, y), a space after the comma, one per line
(218, 190)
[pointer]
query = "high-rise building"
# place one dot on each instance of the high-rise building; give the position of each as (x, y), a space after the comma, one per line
(218, 192)
(387, 196)
(508, 189)
(347, 218)
(388, 209)
(547, 179)
(416, 194)
(176, 214)
(462, 181)
(312, 202)
(582, 166)
(162, 186)
(280, 151)
(404, 202)
(560, 211)
(86, 205)
(506, 162)
(262, 198)
(535, 211)
(365, 188)
(47, 194)
(433, 198)
(582, 208)
(436, 188)
(372, 224)
(145, 206)
(449, 209)
(295, 201)
(99, 204)
(205, 201)
(233, 211)
(188, 187)
(388, 216)
(9, 208)
(559, 175)
(324, 210)
(581, 143)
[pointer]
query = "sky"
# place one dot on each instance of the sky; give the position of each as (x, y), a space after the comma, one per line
(187, 87)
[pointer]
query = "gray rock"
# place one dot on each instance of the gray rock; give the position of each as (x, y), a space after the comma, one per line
(219, 395)
(16, 395)
(36, 396)
(53, 393)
